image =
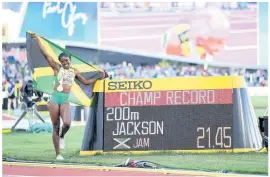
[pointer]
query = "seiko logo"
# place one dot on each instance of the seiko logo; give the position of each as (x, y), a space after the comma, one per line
(130, 85)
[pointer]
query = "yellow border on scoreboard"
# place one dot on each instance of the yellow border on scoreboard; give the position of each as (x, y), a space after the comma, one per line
(175, 83)
(6, 130)
(99, 86)
(205, 151)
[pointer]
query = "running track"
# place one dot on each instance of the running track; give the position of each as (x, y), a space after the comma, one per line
(4, 117)
(11, 169)
(142, 33)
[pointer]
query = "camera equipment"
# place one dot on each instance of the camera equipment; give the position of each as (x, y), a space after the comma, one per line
(29, 98)
(263, 126)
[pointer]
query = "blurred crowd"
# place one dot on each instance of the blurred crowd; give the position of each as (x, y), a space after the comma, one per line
(254, 78)
(15, 66)
(15, 72)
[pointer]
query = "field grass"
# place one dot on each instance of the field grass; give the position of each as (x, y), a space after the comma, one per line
(30, 146)
(259, 102)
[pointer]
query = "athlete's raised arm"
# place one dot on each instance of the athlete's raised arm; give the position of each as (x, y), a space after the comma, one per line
(55, 66)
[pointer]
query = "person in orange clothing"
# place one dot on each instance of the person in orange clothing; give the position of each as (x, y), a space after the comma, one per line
(204, 36)
(179, 43)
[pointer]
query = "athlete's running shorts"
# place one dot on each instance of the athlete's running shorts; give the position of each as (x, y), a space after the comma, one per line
(59, 97)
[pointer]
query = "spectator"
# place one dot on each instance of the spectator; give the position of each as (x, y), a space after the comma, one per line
(11, 95)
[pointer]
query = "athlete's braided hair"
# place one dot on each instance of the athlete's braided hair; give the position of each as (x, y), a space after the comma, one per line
(64, 55)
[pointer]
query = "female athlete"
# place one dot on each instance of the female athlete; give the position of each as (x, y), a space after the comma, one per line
(59, 105)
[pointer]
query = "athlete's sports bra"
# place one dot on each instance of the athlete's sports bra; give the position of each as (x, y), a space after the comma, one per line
(65, 76)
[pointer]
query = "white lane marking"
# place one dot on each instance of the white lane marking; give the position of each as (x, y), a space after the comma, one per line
(164, 19)
(125, 27)
(130, 38)
(159, 19)
(153, 14)
(18, 176)
(245, 47)
(160, 35)
(134, 27)
(243, 31)
(227, 48)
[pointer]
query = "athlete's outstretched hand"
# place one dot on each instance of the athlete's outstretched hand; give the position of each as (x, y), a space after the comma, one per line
(34, 36)
(105, 75)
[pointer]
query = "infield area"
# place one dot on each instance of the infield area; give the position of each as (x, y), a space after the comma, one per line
(38, 147)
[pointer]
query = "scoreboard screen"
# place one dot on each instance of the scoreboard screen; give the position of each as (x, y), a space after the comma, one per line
(167, 119)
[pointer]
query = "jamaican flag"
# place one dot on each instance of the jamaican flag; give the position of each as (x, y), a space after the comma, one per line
(43, 75)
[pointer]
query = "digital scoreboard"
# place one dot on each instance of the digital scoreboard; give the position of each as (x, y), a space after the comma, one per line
(144, 115)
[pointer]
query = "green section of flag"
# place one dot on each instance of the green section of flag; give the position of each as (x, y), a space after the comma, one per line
(44, 83)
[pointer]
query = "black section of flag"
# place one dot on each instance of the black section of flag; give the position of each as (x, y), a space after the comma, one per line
(35, 58)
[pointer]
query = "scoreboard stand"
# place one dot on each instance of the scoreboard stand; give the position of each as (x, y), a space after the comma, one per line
(189, 114)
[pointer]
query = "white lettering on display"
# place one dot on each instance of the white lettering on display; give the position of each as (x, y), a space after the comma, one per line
(190, 97)
(67, 12)
(221, 140)
(127, 123)
(171, 98)
(139, 128)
